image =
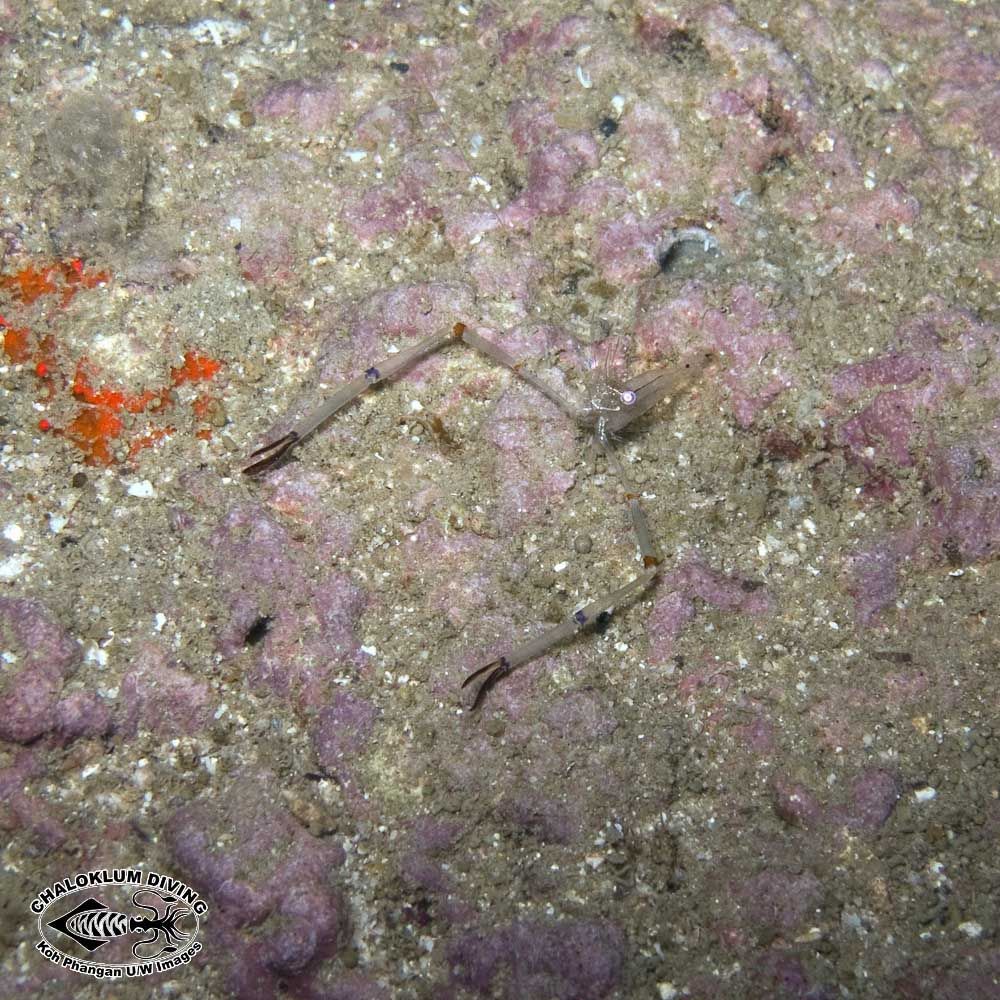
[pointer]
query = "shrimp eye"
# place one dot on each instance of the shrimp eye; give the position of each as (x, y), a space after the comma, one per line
(628, 397)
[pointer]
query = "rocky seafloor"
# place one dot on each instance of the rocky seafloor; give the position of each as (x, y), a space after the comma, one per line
(776, 774)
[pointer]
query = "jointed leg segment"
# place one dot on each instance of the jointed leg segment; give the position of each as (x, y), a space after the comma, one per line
(643, 536)
(591, 613)
(498, 354)
(588, 615)
(270, 455)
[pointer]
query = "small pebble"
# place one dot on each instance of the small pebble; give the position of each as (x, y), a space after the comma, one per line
(144, 489)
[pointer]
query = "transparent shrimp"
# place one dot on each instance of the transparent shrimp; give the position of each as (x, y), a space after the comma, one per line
(613, 402)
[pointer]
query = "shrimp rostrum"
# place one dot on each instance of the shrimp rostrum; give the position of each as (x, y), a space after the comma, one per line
(611, 407)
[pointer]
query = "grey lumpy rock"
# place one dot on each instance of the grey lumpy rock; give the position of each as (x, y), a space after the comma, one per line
(98, 168)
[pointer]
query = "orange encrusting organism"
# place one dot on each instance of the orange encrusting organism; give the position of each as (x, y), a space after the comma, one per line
(92, 431)
(114, 399)
(93, 434)
(99, 423)
(16, 343)
(196, 368)
(101, 419)
(31, 283)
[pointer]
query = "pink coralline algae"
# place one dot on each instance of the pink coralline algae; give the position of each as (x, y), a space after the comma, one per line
(510, 277)
(749, 148)
(355, 986)
(965, 72)
(307, 646)
(966, 518)
(82, 714)
(163, 698)
(272, 224)
(390, 121)
(341, 731)
(302, 496)
(975, 976)
(42, 655)
(462, 589)
(541, 817)
(261, 568)
(20, 810)
(392, 208)
(872, 797)
(914, 380)
(654, 141)
(308, 104)
(628, 247)
(937, 360)
(869, 802)
(579, 715)
(260, 870)
(675, 607)
(568, 960)
(861, 224)
(874, 573)
(429, 839)
(754, 346)
(551, 171)
(254, 550)
(783, 976)
(770, 117)
(527, 433)
(779, 901)
(425, 866)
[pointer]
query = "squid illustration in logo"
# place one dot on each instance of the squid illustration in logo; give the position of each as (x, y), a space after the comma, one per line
(93, 924)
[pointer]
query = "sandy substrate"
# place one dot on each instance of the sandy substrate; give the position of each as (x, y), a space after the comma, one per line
(776, 773)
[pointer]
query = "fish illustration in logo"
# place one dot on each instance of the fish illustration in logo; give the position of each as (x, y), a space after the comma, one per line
(93, 924)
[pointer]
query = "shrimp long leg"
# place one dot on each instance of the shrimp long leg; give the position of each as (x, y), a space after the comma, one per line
(640, 525)
(498, 354)
(489, 674)
(270, 455)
